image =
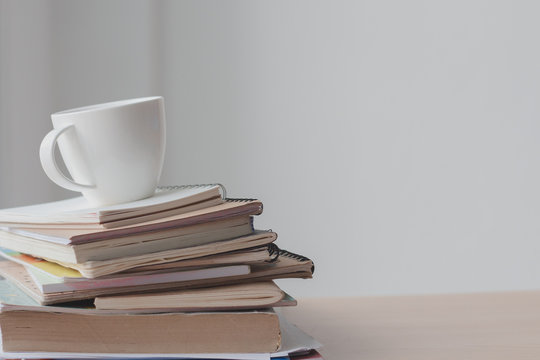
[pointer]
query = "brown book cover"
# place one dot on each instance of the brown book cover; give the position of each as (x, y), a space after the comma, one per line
(198, 332)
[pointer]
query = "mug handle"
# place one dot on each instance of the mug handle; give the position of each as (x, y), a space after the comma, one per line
(48, 162)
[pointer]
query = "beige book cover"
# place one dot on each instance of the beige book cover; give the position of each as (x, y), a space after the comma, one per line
(256, 295)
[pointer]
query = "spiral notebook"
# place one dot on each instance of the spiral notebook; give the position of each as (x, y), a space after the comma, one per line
(252, 255)
(228, 208)
(287, 265)
(93, 269)
(77, 212)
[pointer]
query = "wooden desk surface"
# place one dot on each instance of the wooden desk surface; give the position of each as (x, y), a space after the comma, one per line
(473, 326)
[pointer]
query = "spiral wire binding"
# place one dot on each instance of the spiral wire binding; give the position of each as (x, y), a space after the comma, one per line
(297, 257)
(178, 187)
(293, 255)
(239, 199)
(274, 252)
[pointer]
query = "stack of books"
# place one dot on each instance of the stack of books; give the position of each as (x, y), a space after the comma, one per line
(181, 274)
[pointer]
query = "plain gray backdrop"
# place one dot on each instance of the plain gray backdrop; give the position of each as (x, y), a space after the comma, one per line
(396, 143)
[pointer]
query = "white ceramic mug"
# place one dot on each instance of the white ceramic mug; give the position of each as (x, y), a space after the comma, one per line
(114, 152)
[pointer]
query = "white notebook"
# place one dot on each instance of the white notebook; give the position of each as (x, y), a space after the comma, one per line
(77, 212)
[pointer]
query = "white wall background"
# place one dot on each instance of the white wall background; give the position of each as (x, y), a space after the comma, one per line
(395, 143)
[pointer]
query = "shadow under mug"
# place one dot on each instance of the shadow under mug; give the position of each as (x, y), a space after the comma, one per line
(114, 151)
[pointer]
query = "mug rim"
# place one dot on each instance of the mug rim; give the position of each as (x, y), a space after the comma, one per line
(107, 105)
